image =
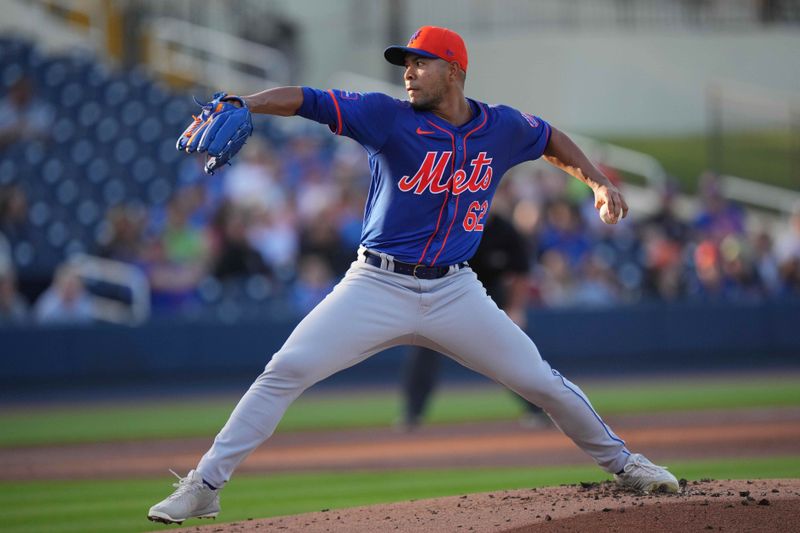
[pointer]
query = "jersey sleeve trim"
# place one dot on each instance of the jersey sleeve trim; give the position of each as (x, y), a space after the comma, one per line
(338, 130)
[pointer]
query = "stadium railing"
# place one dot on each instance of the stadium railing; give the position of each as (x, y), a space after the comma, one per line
(108, 277)
(197, 53)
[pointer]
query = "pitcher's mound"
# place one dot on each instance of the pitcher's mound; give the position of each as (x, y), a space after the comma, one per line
(760, 505)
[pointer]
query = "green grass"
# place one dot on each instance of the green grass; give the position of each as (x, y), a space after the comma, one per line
(120, 505)
(766, 156)
(164, 419)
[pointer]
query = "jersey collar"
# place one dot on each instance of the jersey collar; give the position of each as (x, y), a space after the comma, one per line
(477, 118)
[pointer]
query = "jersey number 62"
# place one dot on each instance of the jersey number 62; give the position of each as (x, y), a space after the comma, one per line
(474, 216)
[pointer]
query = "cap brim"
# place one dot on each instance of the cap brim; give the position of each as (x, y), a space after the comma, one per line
(396, 55)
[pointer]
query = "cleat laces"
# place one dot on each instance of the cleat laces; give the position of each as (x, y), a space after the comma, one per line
(183, 485)
(638, 461)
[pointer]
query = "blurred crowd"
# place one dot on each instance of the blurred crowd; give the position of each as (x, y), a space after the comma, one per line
(714, 254)
(283, 224)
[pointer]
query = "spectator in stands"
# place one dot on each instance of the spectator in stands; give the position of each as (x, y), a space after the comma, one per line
(190, 203)
(184, 242)
(321, 237)
(13, 307)
(123, 237)
(254, 181)
(596, 286)
(66, 301)
(790, 277)
(663, 264)
(275, 235)
(788, 254)
(766, 263)
(708, 282)
(562, 232)
(666, 219)
(235, 257)
(23, 117)
(788, 246)
(318, 195)
(350, 214)
(177, 259)
(314, 281)
(555, 279)
(739, 271)
(350, 168)
(301, 158)
(718, 217)
(14, 214)
(172, 284)
(197, 203)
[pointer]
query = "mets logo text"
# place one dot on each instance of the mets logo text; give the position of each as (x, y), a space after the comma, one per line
(431, 171)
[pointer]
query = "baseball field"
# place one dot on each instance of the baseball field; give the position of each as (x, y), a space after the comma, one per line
(92, 467)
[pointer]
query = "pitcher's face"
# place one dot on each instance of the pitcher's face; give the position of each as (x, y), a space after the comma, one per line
(426, 81)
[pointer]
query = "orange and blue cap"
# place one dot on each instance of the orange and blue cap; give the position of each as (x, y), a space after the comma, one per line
(433, 42)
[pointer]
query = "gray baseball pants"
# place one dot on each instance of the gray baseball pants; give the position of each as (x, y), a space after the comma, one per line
(372, 309)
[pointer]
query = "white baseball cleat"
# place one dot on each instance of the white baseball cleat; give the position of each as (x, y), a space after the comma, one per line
(640, 474)
(191, 499)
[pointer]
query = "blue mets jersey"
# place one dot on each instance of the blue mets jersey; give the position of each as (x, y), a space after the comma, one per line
(432, 182)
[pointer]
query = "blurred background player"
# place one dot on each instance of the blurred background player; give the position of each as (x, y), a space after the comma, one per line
(502, 266)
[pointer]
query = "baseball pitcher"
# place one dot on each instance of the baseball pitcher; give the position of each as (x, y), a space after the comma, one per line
(436, 160)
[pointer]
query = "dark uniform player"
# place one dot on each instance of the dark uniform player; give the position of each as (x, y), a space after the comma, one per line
(501, 264)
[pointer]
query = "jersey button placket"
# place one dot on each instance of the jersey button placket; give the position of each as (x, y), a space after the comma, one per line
(460, 156)
(459, 162)
(458, 159)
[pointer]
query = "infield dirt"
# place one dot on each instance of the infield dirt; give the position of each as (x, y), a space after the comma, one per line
(752, 506)
(662, 437)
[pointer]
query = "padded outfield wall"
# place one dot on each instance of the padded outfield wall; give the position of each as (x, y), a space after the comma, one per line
(640, 339)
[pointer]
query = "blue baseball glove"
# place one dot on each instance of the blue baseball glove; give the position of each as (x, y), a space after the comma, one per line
(221, 129)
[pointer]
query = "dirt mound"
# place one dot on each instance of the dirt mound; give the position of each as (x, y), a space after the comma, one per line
(761, 505)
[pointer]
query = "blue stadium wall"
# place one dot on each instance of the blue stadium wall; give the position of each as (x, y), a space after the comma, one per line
(640, 339)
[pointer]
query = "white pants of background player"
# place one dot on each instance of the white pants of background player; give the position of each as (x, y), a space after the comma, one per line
(372, 309)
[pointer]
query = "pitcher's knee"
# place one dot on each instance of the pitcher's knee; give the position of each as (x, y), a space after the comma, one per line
(538, 385)
(287, 369)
